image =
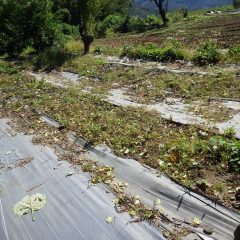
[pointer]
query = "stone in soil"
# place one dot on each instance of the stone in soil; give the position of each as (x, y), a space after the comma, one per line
(208, 230)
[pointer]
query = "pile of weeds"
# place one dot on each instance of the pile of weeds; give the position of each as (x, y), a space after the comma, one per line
(136, 209)
(99, 174)
(140, 212)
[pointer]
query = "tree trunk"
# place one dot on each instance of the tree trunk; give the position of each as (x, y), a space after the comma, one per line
(87, 40)
(162, 11)
(163, 15)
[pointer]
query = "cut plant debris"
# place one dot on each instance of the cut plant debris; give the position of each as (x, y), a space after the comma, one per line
(30, 204)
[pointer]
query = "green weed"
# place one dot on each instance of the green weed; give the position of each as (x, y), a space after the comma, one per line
(234, 53)
(226, 150)
(153, 53)
(206, 54)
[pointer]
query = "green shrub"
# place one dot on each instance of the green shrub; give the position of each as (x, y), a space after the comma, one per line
(234, 53)
(152, 20)
(136, 24)
(26, 23)
(51, 58)
(236, 3)
(227, 150)
(111, 22)
(206, 54)
(153, 53)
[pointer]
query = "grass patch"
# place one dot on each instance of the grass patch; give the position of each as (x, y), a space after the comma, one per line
(7, 68)
(51, 58)
(222, 29)
(180, 151)
(234, 53)
(85, 65)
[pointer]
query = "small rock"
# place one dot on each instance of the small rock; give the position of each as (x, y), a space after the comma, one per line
(195, 164)
(109, 220)
(26, 107)
(180, 61)
(190, 64)
(208, 230)
(70, 173)
(203, 134)
(232, 198)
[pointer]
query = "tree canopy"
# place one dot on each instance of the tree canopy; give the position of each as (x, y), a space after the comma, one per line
(84, 13)
(26, 23)
(236, 3)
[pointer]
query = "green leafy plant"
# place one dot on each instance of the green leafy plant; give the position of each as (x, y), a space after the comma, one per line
(153, 53)
(227, 150)
(207, 53)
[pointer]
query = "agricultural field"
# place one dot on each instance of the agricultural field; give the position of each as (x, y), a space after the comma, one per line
(224, 29)
(163, 103)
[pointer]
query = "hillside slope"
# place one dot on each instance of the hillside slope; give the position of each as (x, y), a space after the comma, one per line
(190, 4)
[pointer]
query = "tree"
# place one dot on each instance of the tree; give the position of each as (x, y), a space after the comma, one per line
(162, 10)
(236, 3)
(26, 23)
(84, 14)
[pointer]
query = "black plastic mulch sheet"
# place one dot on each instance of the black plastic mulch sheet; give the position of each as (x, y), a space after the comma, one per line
(73, 210)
